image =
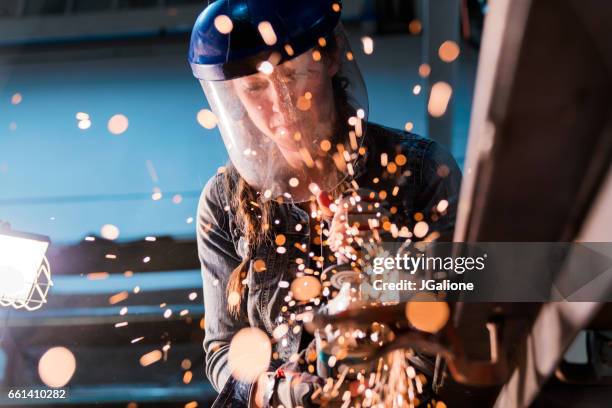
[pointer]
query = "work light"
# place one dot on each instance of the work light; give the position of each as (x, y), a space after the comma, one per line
(25, 274)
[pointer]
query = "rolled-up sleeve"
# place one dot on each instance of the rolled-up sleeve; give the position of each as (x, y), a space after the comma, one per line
(218, 259)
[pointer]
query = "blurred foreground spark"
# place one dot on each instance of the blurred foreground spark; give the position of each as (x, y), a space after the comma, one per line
(223, 24)
(267, 32)
(192, 404)
(416, 90)
(16, 99)
(426, 313)
(420, 229)
(187, 377)
(305, 288)
(409, 126)
(119, 297)
(118, 124)
(249, 354)
(368, 45)
(439, 97)
(120, 324)
(136, 289)
(82, 116)
(123, 311)
(207, 119)
(336, 7)
(193, 296)
(97, 275)
(189, 220)
(136, 340)
(177, 199)
(150, 358)
(150, 239)
(448, 51)
(109, 232)
(56, 367)
(167, 313)
(90, 239)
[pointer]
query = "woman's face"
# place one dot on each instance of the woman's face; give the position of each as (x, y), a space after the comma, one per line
(293, 105)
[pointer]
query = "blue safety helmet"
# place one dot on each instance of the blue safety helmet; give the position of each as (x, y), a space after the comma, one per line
(298, 24)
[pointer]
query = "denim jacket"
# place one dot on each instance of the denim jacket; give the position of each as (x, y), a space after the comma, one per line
(429, 175)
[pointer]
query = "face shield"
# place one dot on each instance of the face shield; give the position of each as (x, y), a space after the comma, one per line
(294, 128)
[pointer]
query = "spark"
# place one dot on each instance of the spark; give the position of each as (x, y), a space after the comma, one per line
(368, 45)
(267, 32)
(439, 97)
(136, 340)
(117, 298)
(207, 119)
(223, 24)
(118, 124)
(193, 296)
(448, 51)
(121, 324)
(150, 358)
(97, 275)
(109, 232)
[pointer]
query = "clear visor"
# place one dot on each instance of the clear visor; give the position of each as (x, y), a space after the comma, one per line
(295, 128)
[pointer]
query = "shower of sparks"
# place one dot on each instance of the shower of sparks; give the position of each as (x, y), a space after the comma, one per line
(249, 354)
(448, 51)
(439, 97)
(267, 32)
(368, 45)
(118, 124)
(224, 24)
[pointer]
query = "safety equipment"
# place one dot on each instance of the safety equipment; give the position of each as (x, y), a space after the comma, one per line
(289, 99)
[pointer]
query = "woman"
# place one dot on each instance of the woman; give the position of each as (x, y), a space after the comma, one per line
(292, 109)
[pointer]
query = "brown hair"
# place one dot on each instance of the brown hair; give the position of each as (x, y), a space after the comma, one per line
(252, 219)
